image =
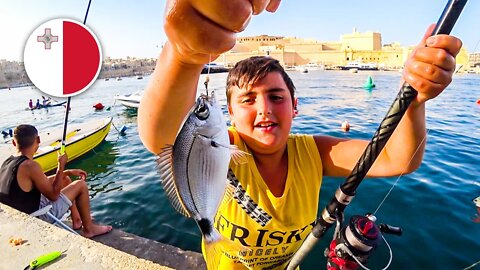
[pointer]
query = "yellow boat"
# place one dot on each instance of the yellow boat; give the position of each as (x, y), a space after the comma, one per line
(80, 139)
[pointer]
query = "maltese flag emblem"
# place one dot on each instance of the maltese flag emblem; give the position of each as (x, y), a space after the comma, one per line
(62, 57)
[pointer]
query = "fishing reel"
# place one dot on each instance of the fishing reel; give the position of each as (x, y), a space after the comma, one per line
(353, 244)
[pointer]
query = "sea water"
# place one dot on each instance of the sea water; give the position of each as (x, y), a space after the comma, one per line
(433, 205)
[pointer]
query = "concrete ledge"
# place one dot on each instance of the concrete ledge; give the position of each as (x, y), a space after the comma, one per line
(110, 251)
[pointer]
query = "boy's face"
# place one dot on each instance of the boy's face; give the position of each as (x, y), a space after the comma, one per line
(263, 114)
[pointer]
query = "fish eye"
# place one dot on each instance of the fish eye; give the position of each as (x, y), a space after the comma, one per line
(202, 111)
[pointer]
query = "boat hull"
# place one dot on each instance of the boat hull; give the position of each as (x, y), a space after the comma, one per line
(359, 68)
(80, 139)
(129, 101)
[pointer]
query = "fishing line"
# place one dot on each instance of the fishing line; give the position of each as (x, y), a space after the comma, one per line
(207, 78)
(476, 45)
(471, 266)
(361, 264)
(400, 176)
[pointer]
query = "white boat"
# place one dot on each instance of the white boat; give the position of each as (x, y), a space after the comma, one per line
(360, 66)
(129, 100)
(309, 67)
(290, 68)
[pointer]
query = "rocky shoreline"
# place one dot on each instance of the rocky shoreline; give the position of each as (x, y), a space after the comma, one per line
(14, 74)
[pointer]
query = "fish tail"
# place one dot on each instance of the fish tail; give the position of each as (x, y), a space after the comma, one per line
(215, 245)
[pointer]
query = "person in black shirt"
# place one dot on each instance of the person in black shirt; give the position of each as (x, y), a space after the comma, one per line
(25, 187)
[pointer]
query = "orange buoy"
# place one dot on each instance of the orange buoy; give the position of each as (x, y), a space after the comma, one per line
(478, 101)
(98, 106)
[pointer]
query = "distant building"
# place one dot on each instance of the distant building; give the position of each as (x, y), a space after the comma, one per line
(474, 60)
(356, 46)
(368, 41)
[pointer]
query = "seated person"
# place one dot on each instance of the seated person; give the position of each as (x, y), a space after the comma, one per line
(25, 187)
(45, 101)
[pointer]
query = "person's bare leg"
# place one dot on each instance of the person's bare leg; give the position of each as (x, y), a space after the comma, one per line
(75, 215)
(78, 192)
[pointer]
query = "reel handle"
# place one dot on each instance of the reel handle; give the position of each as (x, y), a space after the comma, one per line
(385, 228)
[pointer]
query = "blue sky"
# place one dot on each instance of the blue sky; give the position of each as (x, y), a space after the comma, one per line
(134, 28)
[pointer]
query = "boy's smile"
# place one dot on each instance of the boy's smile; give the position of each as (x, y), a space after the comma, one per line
(263, 114)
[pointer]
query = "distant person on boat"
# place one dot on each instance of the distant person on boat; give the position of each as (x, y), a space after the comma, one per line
(25, 187)
(277, 192)
(46, 101)
(38, 106)
(30, 104)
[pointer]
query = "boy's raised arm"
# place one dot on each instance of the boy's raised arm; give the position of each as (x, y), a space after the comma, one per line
(429, 70)
(198, 31)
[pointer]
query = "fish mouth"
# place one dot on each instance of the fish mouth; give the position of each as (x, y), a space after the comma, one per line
(201, 111)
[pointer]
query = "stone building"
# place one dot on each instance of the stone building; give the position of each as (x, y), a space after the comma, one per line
(365, 47)
(474, 60)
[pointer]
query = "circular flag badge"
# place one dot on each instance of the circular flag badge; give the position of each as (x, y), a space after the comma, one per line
(62, 57)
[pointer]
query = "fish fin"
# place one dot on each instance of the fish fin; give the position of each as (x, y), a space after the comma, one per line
(238, 156)
(165, 167)
(229, 194)
(216, 244)
(229, 191)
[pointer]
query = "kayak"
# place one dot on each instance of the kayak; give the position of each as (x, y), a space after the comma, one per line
(129, 100)
(47, 106)
(80, 139)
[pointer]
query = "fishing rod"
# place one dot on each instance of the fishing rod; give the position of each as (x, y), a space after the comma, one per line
(359, 237)
(67, 109)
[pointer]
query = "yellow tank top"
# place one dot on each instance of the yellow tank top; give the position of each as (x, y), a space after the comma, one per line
(272, 228)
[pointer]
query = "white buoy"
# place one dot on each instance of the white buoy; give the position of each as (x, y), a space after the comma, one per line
(345, 126)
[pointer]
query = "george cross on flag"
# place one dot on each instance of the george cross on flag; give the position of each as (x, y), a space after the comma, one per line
(62, 57)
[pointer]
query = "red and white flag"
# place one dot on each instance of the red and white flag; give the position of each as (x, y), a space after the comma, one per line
(62, 57)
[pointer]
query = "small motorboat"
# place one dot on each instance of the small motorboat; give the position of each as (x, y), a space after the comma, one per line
(129, 100)
(80, 139)
(359, 66)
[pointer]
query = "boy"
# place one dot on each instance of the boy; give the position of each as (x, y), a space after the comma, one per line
(25, 187)
(277, 192)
